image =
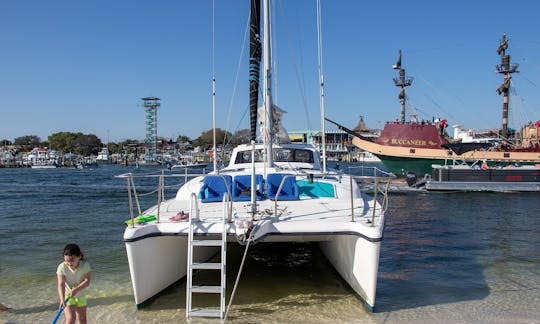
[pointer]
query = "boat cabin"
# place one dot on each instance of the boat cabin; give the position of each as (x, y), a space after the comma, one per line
(290, 156)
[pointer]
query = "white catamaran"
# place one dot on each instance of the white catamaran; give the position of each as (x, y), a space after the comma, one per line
(269, 192)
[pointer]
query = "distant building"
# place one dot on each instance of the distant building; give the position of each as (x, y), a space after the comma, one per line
(339, 145)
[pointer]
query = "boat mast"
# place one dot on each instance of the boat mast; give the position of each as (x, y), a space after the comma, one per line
(402, 82)
(254, 64)
(321, 78)
(506, 69)
(254, 76)
(267, 78)
(214, 148)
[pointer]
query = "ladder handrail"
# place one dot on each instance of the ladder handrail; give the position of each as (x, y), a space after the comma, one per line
(193, 201)
(190, 288)
(227, 212)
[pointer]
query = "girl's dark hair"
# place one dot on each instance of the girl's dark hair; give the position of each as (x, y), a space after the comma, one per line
(73, 249)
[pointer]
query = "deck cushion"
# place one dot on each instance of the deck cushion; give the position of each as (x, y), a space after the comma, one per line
(241, 187)
(289, 191)
(315, 189)
(214, 187)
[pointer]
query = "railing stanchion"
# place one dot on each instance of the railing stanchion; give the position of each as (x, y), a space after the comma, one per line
(159, 195)
(375, 191)
(135, 194)
(193, 207)
(278, 192)
(352, 198)
(130, 201)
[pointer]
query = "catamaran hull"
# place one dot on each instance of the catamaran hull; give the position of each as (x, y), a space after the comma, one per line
(157, 262)
(356, 259)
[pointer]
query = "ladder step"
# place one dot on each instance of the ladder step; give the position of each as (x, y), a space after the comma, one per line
(205, 312)
(206, 289)
(206, 242)
(207, 266)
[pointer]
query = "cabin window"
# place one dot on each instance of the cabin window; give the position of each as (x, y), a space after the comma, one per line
(280, 155)
(291, 155)
(303, 156)
(245, 156)
(283, 155)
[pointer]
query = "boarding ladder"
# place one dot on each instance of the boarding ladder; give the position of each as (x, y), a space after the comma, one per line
(193, 244)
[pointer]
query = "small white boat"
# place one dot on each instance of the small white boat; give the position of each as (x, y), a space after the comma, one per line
(103, 156)
(43, 166)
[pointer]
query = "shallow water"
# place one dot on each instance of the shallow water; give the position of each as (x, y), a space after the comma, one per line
(459, 257)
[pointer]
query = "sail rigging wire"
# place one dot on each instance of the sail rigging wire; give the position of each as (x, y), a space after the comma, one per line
(235, 86)
(298, 68)
(437, 90)
(520, 75)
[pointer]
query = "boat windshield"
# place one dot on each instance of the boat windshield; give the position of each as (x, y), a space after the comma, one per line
(280, 155)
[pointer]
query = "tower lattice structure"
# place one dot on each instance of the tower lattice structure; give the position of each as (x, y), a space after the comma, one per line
(150, 105)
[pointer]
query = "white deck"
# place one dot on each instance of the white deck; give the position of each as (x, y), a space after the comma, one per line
(302, 220)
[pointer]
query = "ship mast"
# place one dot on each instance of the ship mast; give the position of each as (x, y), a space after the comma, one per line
(506, 69)
(402, 82)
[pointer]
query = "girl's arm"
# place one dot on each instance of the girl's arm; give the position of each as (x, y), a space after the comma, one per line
(83, 284)
(61, 279)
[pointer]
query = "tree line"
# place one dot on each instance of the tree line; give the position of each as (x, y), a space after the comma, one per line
(90, 144)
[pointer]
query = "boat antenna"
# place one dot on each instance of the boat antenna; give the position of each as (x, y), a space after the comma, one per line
(402, 82)
(214, 155)
(506, 69)
(321, 88)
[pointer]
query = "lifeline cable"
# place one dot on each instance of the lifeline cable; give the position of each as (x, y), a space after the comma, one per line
(239, 273)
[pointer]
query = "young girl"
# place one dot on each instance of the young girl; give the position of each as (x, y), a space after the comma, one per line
(73, 277)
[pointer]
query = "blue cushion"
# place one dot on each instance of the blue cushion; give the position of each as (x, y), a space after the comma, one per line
(289, 191)
(241, 188)
(214, 187)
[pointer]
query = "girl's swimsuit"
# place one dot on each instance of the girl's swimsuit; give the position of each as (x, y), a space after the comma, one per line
(73, 278)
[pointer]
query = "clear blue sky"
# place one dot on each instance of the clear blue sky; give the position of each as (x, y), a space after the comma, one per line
(82, 66)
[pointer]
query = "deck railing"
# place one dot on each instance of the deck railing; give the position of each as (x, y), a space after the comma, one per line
(132, 189)
(377, 182)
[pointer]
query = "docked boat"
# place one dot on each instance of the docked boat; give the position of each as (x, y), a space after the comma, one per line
(189, 165)
(269, 193)
(41, 158)
(412, 146)
(484, 178)
(103, 156)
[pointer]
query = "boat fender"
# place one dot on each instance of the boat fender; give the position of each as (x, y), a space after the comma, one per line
(410, 177)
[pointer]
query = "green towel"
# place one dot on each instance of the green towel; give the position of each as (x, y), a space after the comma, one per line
(142, 219)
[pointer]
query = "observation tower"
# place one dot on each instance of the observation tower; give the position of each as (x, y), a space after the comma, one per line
(150, 105)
